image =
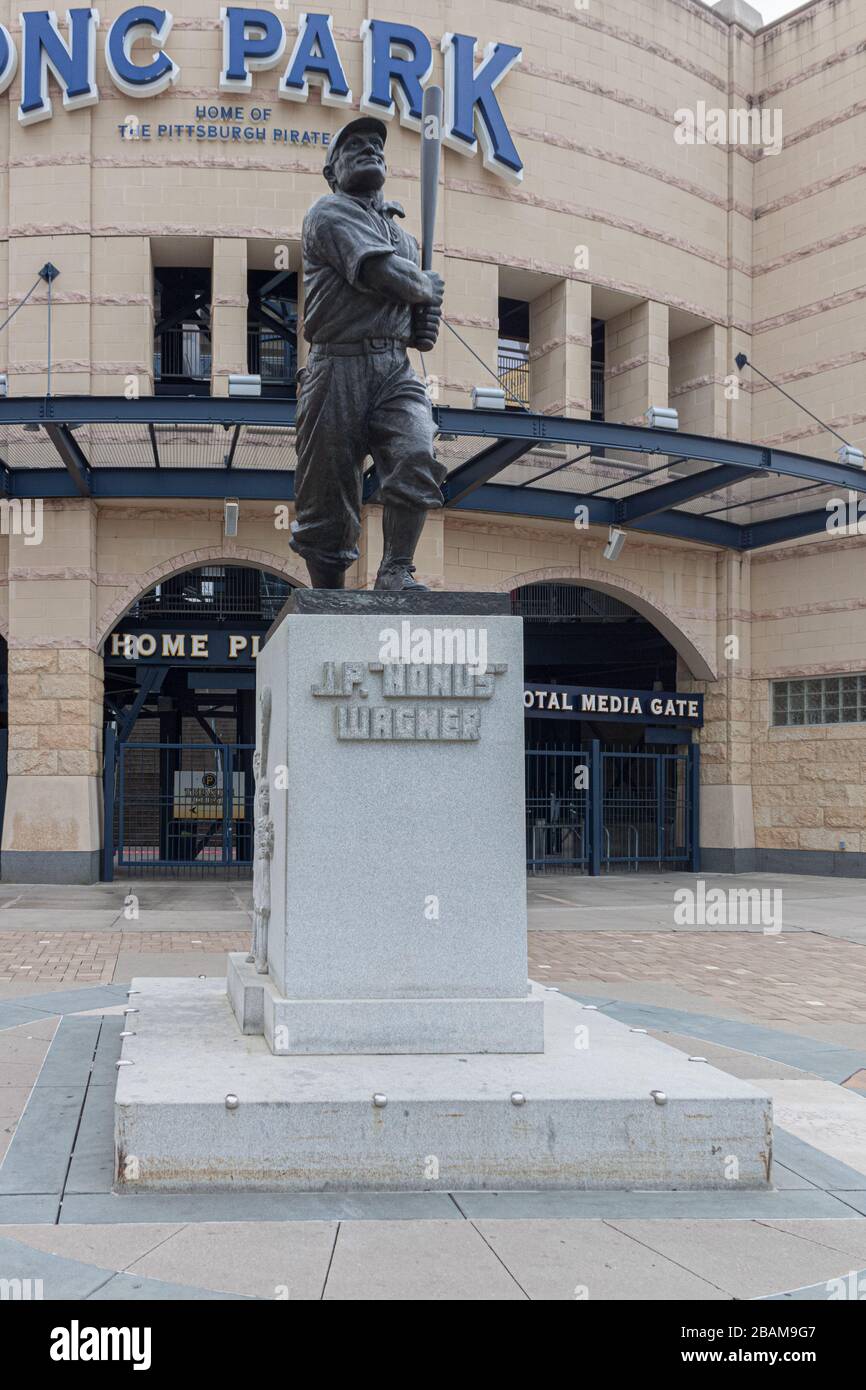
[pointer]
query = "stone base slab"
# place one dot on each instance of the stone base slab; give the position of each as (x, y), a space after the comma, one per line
(50, 866)
(827, 863)
(449, 1123)
(380, 1026)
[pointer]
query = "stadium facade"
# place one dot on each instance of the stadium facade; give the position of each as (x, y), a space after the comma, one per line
(633, 194)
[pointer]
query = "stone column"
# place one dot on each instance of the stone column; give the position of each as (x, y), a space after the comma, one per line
(49, 213)
(560, 333)
(472, 305)
(228, 312)
(743, 239)
(636, 362)
(697, 380)
(429, 556)
(121, 317)
(51, 826)
(727, 816)
(363, 573)
(27, 333)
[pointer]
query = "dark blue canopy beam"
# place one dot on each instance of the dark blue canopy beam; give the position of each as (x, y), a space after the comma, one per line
(605, 434)
(154, 446)
(230, 456)
(503, 436)
(561, 506)
(783, 528)
(73, 459)
(146, 410)
(255, 484)
(482, 424)
(483, 466)
(659, 499)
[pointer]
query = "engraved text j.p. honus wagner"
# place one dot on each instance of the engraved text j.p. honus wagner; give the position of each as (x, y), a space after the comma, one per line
(435, 702)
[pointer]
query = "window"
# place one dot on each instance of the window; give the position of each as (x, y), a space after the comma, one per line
(272, 330)
(819, 700)
(181, 342)
(597, 369)
(513, 353)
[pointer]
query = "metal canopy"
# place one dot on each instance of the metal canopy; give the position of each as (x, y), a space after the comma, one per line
(717, 492)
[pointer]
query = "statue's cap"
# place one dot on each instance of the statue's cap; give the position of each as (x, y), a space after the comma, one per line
(356, 127)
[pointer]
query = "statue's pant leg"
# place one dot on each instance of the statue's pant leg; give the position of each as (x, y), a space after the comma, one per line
(401, 438)
(331, 441)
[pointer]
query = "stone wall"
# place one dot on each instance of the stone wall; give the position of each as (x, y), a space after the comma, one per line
(809, 784)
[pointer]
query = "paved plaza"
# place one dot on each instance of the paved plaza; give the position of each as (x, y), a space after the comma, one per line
(781, 1007)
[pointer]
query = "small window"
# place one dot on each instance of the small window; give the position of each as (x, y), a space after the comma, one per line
(819, 700)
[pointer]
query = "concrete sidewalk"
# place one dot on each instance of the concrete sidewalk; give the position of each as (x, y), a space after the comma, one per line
(557, 902)
(644, 903)
(736, 995)
(401, 1260)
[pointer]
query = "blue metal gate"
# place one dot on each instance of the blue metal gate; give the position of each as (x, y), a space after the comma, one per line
(557, 810)
(177, 809)
(595, 809)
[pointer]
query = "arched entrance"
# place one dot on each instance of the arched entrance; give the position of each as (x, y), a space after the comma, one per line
(180, 723)
(612, 773)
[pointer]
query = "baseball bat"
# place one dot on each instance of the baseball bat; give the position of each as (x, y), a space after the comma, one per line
(431, 151)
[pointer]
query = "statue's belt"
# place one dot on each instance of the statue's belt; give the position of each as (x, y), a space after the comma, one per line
(360, 348)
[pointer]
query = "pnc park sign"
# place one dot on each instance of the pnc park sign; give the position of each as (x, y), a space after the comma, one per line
(398, 61)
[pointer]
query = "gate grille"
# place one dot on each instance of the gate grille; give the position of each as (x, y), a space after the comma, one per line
(591, 810)
(645, 809)
(184, 810)
(557, 838)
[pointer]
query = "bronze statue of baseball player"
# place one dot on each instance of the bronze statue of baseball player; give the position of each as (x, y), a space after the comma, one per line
(366, 302)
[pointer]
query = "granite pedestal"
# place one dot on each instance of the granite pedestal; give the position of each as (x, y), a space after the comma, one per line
(389, 1038)
(398, 908)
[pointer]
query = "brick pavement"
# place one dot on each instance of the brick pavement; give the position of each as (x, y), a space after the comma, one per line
(767, 977)
(781, 976)
(63, 958)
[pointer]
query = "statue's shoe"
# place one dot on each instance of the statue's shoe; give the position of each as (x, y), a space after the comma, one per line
(396, 578)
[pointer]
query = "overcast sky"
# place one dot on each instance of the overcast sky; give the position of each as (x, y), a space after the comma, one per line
(772, 9)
